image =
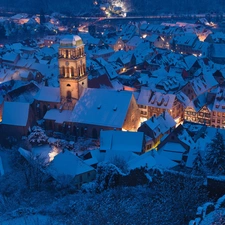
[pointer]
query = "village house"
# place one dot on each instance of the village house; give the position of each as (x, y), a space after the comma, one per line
(155, 40)
(133, 43)
(199, 85)
(50, 40)
(105, 109)
(207, 109)
(67, 167)
(10, 58)
(115, 43)
(47, 98)
(184, 44)
(17, 119)
(198, 110)
(176, 145)
(156, 127)
(155, 103)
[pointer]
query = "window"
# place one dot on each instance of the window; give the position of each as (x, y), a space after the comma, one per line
(72, 71)
(63, 71)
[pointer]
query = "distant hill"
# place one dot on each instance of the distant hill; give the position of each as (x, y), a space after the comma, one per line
(135, 7)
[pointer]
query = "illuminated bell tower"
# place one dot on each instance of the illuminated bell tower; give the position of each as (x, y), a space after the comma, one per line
(72, 70)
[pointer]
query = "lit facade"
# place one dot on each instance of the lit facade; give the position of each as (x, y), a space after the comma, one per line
(72, 69)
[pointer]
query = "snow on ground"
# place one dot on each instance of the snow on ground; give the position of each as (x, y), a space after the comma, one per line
(46, 152)
(214, 217)
(31, 219)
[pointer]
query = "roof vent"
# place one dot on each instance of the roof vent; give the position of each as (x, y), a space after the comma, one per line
(115, 108)
(99, 106)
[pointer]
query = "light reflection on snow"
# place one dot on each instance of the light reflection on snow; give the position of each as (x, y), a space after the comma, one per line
(55, 151)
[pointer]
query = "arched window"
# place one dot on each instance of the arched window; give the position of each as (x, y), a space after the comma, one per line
(72, 71)
(63, 71)
(67, 71)
(67, 53)
(68, 85)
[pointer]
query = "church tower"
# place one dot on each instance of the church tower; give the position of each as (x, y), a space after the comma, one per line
(72, 70)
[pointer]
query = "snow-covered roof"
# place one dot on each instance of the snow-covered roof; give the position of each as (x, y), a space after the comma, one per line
(111, 156)
(203, 83)
(108, 67)
(190, 61)
(15, 113)
(134, 41)
(173, 151)
(152, 159)
(67, 164)
(218, 51)
(48, 94)
(102, 107)
(161, 124)
(187, 40)
(10, 57)
(141, 161)
(121, 141)
(156, 99)
(57, 116)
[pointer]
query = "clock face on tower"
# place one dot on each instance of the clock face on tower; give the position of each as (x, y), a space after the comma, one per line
(67, 63)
